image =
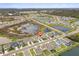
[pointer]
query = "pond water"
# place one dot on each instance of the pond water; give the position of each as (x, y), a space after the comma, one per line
(73, 52)
(61, 28)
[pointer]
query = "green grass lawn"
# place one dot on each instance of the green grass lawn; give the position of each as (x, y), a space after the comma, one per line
(20, 54)
(2, 34)
(61, 48)
(42, 28)
(46, 52)
(32, 51)
(14, 39)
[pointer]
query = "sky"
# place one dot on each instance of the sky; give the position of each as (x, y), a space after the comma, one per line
(39, 5)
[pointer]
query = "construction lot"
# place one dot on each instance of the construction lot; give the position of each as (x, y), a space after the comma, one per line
(35, 35)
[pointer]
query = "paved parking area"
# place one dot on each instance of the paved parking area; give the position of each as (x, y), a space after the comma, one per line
(4, 40)
(26, 52)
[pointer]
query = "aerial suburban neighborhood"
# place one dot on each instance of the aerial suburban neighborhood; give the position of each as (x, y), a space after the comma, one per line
(37, 32)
